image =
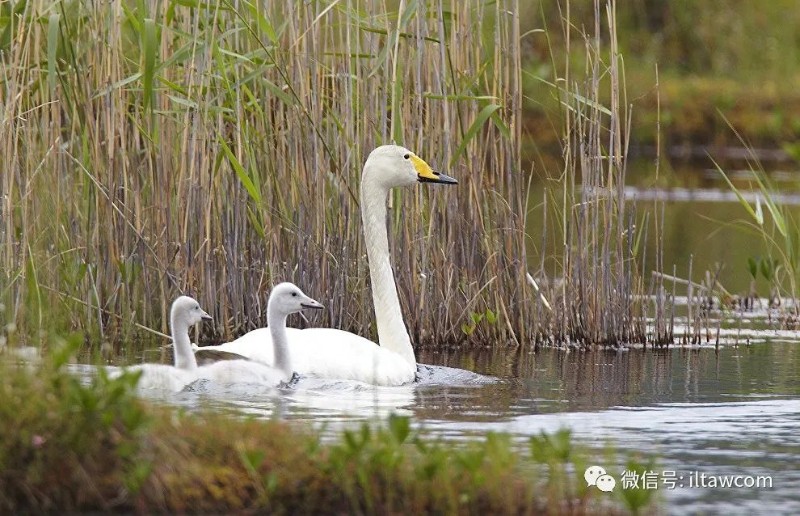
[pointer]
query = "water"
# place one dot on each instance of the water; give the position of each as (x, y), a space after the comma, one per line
(702, 221)
(699, 411)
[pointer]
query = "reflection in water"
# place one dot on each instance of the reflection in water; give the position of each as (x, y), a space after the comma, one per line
(732, 412)
(756, 438)
(735, 411)
(633, 193)
(698, 227)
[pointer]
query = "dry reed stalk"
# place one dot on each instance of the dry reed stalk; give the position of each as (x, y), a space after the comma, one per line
(152, 149)
(601, 281)
(155, 148)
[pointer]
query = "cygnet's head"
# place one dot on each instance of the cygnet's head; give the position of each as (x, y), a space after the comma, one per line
(392, 165)
(187, 311)
(287, 298)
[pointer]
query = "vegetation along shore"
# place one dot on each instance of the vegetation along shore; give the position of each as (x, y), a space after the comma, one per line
(215, 152)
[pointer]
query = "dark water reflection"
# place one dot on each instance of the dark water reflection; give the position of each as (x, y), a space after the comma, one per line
(735, 411)
(732, 412)
(553, 380)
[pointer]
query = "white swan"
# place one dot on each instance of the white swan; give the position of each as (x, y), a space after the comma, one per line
(332, 353)
(284, 300)
(185, 313)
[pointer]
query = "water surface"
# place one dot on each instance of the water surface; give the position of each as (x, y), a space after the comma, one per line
(731, 411)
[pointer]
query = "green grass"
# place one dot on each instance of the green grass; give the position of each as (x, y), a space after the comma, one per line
(777, 227)
(68, 446)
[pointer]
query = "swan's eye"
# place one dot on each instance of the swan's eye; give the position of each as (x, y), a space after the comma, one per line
(294, 294)
(407, 156)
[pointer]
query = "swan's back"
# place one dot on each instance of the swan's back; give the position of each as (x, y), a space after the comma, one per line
(227, 372)
(327, 353)
(255, 345)
(162, 377)
(334, 353)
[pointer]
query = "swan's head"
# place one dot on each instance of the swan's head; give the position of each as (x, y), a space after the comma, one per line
(186, 310)
(287, 298)
(392, 165)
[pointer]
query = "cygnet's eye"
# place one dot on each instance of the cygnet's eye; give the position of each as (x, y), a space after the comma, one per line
(406, 156)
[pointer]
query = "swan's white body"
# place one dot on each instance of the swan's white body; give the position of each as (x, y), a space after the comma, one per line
(162, 377)
(333, 353)
(185, 313)
(285, 299)
(328, 353)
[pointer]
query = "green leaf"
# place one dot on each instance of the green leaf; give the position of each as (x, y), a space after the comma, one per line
(183, 102)
(257, 224)
(472, 132)
(433, 96)
(397, 120)
(759, 212)
(52, 49)
(252, 459)
(752, 266)
(400, 427)
(768, 268)
(258, 12)
(286, 98)
(739, 196)
(118, 84)
(149, 46)
(244, 177)
(579, 98)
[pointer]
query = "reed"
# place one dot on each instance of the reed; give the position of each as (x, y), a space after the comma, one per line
(214, 149)
(777, 227)
(598, 241)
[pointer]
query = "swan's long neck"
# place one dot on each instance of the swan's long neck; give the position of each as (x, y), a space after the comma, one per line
(184, 357)
(280, 347)
(392, 333)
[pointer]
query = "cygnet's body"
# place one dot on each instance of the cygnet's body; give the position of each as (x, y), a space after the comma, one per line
(284, 300)
(185, 313)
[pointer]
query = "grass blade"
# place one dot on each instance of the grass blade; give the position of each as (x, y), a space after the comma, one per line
(472, 132)
(149, 47)
(52, 49)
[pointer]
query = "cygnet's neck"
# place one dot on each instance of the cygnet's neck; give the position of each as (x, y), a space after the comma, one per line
(184, 357)
(392, 332)
(276, 320)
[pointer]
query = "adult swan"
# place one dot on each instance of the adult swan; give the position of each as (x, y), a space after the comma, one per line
(333, 353)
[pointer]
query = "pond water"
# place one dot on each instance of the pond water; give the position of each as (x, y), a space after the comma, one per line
(699, 411)
(702, 221)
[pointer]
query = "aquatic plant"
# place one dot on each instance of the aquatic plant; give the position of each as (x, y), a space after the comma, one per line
(595, 248)
(639, 497)
(64, 444)
(208, 149)
(777, 228)
(693, 45)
